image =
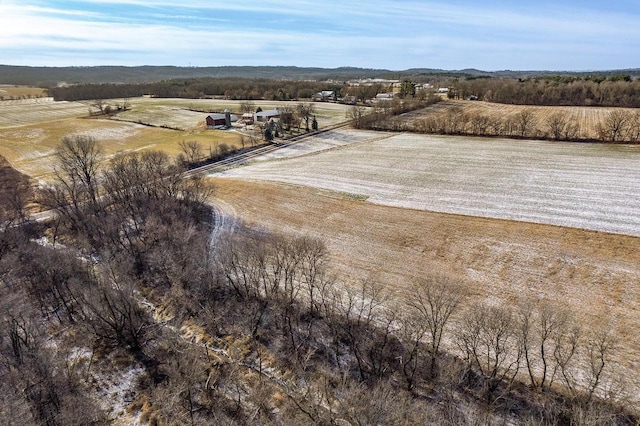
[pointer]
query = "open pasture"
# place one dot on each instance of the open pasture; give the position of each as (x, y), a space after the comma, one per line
(30, 130)
(30, 148)
(590, 186)
(182, 113)
(163, 115)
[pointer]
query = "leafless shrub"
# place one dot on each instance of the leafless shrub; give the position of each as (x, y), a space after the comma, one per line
(487, 337)
(614, 126)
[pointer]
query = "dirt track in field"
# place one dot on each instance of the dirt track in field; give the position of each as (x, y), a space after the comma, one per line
(592, 274)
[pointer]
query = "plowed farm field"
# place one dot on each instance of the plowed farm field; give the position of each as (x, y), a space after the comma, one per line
(589, 186)
(515, 221)
(16, 113)
(591, 274)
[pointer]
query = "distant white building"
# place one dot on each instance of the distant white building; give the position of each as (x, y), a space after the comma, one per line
(264, 116)
(325, 95)
(443, 90)
(384, 96)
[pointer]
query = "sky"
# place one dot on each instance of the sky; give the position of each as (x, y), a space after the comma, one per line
(488, 35)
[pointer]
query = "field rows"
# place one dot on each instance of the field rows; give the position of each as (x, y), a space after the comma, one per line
(587, 186)
(31, 111)
(592, 275)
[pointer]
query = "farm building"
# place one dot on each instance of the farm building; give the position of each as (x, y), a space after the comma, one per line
(219, 120)
(384, 96)
(349, 100)
(247, 117)
(264, 116)
(325, 95)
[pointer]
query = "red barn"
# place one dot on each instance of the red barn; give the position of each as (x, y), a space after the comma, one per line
(221, 120)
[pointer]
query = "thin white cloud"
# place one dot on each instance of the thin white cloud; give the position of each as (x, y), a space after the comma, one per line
(383, 34)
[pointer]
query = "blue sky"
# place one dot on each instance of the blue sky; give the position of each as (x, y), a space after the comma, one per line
(488, 35)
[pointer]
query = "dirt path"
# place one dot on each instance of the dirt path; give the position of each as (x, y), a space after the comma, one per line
(592, 274)
(224, 217)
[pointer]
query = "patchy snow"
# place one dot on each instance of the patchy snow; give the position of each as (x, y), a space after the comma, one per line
(590, 186)
(114, 131)
(32, 111)
(116, 390)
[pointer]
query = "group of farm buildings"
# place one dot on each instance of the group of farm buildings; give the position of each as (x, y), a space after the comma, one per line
(219, 120)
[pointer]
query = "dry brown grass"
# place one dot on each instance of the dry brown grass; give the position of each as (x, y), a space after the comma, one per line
(10, 91)
(591, 274)
(30, 148)
(587, 118)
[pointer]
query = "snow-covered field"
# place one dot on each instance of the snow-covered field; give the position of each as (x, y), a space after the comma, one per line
(591, 186)
(32, 111)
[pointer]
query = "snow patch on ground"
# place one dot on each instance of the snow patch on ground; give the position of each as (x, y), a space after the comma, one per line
(116, 390)
(116, 131)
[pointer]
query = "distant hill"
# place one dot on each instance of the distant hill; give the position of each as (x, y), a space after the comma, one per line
(53, 76)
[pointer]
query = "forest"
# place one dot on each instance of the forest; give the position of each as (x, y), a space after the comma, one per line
(620, 90)
(229, 88)
(132, 277)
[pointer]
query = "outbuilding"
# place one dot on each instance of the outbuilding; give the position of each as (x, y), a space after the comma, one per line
(221, 120)
(325, 95)
(247, 117)
(264, 116)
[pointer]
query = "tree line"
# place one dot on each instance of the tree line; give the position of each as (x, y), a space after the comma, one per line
(616, 126)
(613, 91)
(229, 88)
(253, 327)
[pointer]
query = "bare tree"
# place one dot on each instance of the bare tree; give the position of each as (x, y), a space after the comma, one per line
(305, 111)
(192, 151)
(600, 346)
(313, 268)
(565, 355)
(479, 123)
(412, 334)
(247, 107)
(488, 338)
(100, 105)
(79, 159)
(633, 128)
(286, 117)
(557, 124)
(75, 192)
(114, 315)
(526, 121)
(540, 328)
(613, 128)
(356, 114)
(360, 309)
(433, 301)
